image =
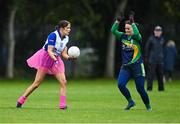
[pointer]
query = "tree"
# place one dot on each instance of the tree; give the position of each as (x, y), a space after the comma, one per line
(11, 44)
(11, 37)
(109, 69)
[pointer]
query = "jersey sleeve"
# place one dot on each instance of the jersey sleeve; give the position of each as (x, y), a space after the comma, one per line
(114, 30)
(136, 35)
(52, 39)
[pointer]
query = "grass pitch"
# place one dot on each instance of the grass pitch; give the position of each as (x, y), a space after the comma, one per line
(90, 101)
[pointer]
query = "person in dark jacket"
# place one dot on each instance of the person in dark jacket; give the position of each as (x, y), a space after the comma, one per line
(154, 59)
(170, 54)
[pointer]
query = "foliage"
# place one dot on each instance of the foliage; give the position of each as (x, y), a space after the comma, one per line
(91, 22)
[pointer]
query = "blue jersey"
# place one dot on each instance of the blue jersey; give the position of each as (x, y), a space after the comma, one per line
(130, 49)
(55, 39)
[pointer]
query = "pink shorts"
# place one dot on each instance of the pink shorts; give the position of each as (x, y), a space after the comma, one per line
(42, 60)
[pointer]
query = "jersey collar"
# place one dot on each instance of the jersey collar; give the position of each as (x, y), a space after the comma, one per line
(60, 35)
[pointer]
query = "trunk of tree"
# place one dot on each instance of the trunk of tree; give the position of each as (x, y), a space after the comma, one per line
(11, 45)
(109, 72)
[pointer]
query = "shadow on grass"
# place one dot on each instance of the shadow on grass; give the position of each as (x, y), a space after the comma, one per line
(28, 108)
(69, 108)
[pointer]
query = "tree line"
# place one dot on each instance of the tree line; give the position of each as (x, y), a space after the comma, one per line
(25, 25)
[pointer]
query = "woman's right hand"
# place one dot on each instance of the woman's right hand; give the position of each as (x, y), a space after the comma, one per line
(120, 17)
(131, 16)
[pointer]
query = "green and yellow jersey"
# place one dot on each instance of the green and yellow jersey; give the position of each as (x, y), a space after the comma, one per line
(131, 45)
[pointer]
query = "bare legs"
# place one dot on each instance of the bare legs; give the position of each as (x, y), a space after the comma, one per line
(38, 79)
(62, 79)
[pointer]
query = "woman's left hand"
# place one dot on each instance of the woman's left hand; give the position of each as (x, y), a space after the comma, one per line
(131, 16)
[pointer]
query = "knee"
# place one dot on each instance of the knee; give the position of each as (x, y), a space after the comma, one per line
(121, 85)
(63, 82)
(140, 90)
(36, 84)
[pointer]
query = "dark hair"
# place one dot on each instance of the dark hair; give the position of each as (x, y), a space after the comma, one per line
(62, 24)
(128, 22)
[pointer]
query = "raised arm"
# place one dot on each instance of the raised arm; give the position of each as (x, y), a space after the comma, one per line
(137, 35)
(114, 30)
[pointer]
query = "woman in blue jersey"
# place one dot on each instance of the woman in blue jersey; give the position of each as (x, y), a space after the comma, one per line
(132, 60)
(48, 61)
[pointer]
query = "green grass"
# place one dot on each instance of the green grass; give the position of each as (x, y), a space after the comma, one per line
(88, 101)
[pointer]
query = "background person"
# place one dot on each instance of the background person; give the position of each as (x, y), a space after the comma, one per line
(170, 53)
(154, 59)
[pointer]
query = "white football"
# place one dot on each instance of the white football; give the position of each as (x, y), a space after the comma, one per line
(74, 51)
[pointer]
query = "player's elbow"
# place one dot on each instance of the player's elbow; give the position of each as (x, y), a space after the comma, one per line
(140, 37)
(113, 30)
(63, 53)
(49, 51)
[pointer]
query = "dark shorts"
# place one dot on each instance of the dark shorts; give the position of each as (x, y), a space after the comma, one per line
(134, 70)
